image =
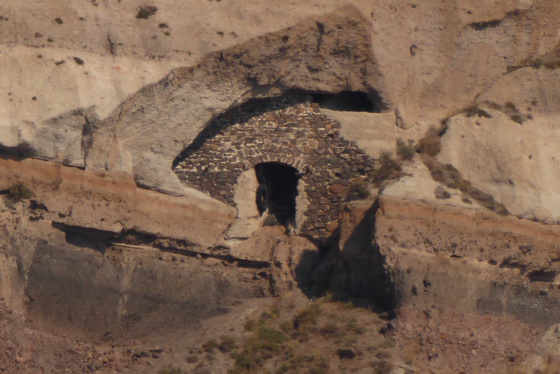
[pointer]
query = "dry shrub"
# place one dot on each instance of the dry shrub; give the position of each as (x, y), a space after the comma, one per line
(517, 118)
(171, 370)
(388, 168)
(265, 343)
(510, 106)
(308, 316)
(19, 191)
(146, 11)
(358, 190)
(430, 144)
(450, 177)
(405, 151)
(474, 111)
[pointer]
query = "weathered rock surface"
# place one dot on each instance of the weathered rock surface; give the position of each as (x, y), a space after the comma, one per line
(373, 132)
(499, 265)
(114, 204)
(515, 163)
(420, 52)
(108, 100)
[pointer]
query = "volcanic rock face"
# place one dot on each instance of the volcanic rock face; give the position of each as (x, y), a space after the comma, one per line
(104, 103)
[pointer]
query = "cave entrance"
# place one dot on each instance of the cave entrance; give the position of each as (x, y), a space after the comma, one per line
(349, 101)
(277, 191)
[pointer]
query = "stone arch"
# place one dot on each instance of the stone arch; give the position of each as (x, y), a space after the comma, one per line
(277, 191)
(249, 217)
(287, 130)
(144, 135)
(297, 163)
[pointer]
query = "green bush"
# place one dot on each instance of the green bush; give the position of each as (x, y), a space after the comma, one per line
(171, 370)
(264, 344)
(19, 191)
(308, 316)
(269, 338)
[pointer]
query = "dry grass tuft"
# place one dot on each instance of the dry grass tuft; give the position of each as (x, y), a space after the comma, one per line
(388, 168)
(430, 144)
(449, 176)
(405, 151)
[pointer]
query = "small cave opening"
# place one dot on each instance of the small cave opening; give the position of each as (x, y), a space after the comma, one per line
(349, 101)
(277, 191)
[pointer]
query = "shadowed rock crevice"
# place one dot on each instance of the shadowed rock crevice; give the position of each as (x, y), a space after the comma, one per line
(353, 269)
(350, 102)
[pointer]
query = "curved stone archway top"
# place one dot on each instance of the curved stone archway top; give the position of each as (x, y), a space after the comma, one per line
(297, 164)
(289, 131)
(147, 131)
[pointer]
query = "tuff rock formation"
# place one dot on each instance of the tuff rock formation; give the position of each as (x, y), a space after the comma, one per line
(422, 146)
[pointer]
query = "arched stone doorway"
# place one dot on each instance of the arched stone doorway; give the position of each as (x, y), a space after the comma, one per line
(277, 191)
(269, 193)
(288, 130)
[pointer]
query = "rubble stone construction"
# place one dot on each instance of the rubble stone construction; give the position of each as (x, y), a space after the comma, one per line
(291, 131)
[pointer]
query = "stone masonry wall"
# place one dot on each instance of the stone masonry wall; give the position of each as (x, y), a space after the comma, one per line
(288, 130)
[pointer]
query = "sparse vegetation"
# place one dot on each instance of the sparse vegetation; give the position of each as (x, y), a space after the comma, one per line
(551, 60)
(210, 345)
(265, 343)
(19, 191)
(517, 118)
(475, 111)
(285, 345)
(430, 144)
(382, 367)
(388, 168)
(450, 177)
(406, 150)
(308, 316)
(146, 11)
(358, 190)
(441, 193)
(510, 106)
(511, 110)
(251, 325)
(227, 344)
(171, 370)
(388, 343)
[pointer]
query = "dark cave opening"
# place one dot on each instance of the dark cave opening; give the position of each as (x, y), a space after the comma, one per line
(348, 101)
(277, 190)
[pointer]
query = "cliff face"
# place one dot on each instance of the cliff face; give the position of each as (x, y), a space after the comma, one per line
(69, 69)
(101, 100)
